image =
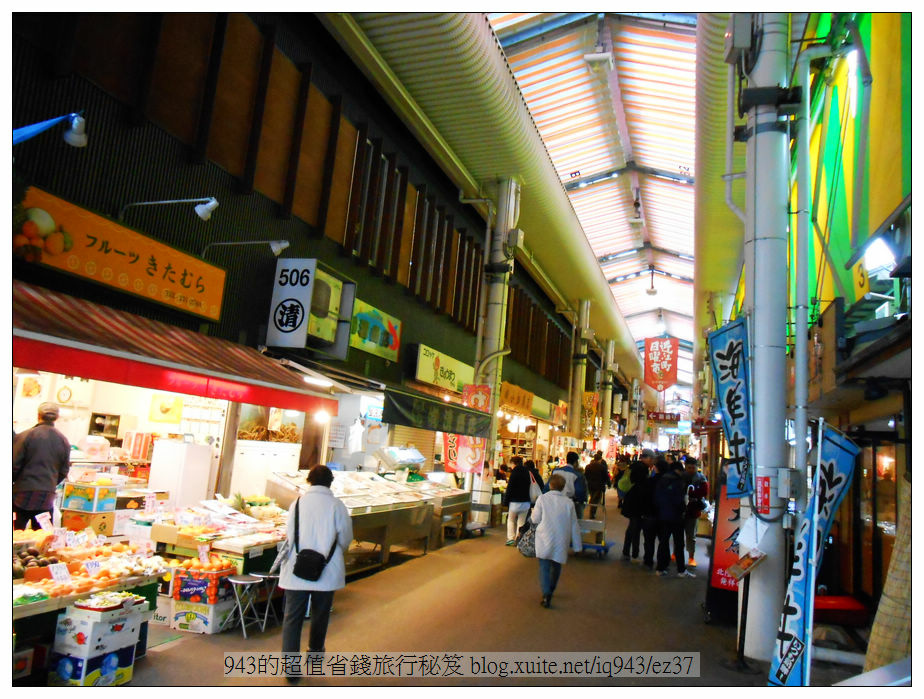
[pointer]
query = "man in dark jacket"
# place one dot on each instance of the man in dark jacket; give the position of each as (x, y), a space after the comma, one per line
(41, 460)
(669, 506)
(575, 485)
(598, 479)
(697, 492)
(516, 498)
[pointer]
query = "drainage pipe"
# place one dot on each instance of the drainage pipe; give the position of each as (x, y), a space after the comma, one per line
(606, 402)
(579, 370)
(766, 248)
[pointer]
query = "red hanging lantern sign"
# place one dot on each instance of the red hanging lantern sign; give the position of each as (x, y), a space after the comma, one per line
(661, 362)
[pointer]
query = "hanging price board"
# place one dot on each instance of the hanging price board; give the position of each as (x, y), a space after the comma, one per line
(59, 572)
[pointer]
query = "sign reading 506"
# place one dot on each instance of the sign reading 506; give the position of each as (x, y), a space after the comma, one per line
(292, 289)
(295, 276)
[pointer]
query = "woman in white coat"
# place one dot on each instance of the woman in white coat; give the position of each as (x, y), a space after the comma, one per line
(556, 523)
(323, 519)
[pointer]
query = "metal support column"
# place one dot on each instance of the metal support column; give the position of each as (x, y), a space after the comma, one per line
(579, 370)
(766, 242)
(606, 401)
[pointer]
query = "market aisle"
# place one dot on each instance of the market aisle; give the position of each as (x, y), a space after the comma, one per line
(479, 595)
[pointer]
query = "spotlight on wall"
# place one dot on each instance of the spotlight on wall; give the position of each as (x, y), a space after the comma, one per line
(205, 206)
(76, 134)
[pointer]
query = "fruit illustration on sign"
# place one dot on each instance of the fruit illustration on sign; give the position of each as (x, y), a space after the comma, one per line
(80, 638)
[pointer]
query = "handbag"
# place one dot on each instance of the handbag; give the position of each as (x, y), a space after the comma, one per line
(534, 490)
(527, 542)
(309, 564)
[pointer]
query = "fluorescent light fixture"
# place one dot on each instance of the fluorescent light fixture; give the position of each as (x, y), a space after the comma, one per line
(317, 381)
(206, 205)
(277, 246)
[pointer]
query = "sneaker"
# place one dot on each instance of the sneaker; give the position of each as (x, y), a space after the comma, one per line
(546, 601)
(662, 573)
(511, 542)
(686, 574)
(691, 563)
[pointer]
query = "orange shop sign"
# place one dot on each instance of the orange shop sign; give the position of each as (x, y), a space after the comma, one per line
(516, 398)
(55, 233)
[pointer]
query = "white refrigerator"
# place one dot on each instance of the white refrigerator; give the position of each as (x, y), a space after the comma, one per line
(182, 469)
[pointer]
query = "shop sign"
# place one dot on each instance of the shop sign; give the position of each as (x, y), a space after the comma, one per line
(477, 397)
(55, 233)
(788, 662)
(516, 398)
(462, 453)
(438, 369)
(728, 355)
(375, 332)
(324, 311)
(725, 543)
(542, 408)
(663, 417)
(661, 362)
(291, 304)
(433, 415)
(589, 408)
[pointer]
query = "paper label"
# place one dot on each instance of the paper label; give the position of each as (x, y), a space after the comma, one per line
(44, 520)
(70, 538)
(204, 552)
(92, 567)
(82, 538)
(150, 503)
(59, 572)
(59, 540)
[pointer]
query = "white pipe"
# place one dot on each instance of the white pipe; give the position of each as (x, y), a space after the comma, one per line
(606, 402)
(479, 335)
(579, 371)
(766, 241)
(813, 560)
(863, 136)
(730, 143)
(842, 657)
(804, 176)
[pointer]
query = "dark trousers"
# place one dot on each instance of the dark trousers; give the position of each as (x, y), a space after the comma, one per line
(650, 535)
(296, 604)
(666, 532)
(633, 535)
(25, 516)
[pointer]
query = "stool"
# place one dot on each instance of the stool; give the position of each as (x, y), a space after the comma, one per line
(271, 580)
(245, 591)
(475, 527)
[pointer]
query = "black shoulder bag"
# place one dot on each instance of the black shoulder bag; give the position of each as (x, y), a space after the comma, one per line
(309, 564)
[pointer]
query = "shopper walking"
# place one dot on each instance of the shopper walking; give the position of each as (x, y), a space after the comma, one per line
(669, 506)
(697, 492)
(41, 460)
(635, 505)
(556, 523)
(516, 498)
(534, 470)
(598, 480)
(324, 525)
(575, 488)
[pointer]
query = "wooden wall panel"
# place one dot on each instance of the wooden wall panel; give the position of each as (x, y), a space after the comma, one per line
(110, 50)
(234, 100)
(407, 236)
(340, 186)
(450, 273)
(278, 128)
(311, 160)
(179, 73)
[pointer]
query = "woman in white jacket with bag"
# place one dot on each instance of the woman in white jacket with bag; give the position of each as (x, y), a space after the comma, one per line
(322, 520)
(556, 523)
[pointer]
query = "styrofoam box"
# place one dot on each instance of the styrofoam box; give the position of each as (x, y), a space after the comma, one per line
(200, 618)
(82, 638)
(108, 669)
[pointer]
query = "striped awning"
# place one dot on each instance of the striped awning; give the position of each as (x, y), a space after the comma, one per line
(59, 333)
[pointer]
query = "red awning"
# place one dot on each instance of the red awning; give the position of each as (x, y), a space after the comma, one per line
(66, 335)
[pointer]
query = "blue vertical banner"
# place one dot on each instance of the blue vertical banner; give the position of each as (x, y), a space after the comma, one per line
(789, 664)
(728, 354)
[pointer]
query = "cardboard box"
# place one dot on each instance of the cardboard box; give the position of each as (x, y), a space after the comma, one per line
(81, 638)
(139, 606)
(22, 662)
(199, 586)
(200, 618)
(108, 669)
(166, 533)
(162, 612)
(134, 499)
(78, 520)
(89, 498)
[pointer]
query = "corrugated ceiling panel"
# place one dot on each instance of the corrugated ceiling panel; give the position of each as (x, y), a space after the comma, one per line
(601, 210)
(669, 214)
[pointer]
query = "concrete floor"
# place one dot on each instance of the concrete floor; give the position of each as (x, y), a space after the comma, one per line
(478, 595)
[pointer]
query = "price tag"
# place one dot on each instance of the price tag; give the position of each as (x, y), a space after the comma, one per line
(59, 540)
(92, 567)
(44, 520)
(150, 504)
(82, 538)
(70, 538)
(204, 552)
(254, 553)
(59, 572)
(100, 540)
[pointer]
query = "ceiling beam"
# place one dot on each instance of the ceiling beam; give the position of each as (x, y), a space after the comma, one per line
(579, 182)
(635, 275)
(686, 345)
(547, 30)
(661, 309)
(604, 259)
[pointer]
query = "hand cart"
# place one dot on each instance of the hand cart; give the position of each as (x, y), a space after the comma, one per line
(593, 531)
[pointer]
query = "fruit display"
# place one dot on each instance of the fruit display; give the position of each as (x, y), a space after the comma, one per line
(27, 594)
(30, 557)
